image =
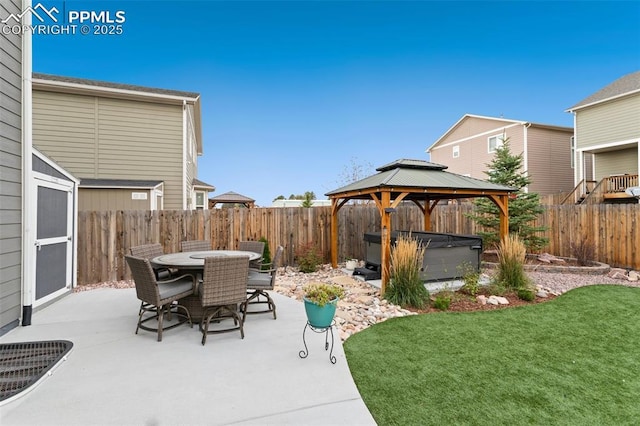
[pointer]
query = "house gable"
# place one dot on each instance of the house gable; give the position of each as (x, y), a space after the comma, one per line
(468, 147)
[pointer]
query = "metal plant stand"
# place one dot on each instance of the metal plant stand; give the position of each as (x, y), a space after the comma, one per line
(326, 330)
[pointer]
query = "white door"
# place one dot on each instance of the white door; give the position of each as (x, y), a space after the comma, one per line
(53, 239)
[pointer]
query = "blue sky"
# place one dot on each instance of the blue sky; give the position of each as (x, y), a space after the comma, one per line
(296, 92)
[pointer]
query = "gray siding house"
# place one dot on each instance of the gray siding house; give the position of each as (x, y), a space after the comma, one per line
(469, 146)
(132, 147)
(607, 133)
(10, 172)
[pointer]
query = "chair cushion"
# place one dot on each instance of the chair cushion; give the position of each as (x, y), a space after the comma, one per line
(259, 280)
(168, 290)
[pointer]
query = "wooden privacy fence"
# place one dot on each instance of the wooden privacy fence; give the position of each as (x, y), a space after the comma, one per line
(105, 237)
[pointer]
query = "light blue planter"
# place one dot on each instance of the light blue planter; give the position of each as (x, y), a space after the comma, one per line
(320, 317)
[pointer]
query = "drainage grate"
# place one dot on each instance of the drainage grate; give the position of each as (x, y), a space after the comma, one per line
(23, 364)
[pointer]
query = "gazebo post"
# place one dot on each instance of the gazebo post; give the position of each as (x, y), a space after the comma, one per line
(502, 202)
(504, 217)
(385, 240)
(334, 232)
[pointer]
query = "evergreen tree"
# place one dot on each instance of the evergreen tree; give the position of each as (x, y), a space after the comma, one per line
(505, 169)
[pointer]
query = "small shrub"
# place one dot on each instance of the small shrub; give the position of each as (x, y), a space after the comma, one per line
(308, 258)
(495, 288)
(322, 293)
(442, 301)
(471, 278)
(266, 254)
(511, 258)
(405, 287)
(584, 251)
(526, 294)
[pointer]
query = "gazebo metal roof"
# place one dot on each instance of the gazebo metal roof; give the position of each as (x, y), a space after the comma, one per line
(423, 176)
(421, 182)
(232, 198)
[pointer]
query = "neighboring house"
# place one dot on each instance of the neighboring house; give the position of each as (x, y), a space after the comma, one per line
(469, 146)
(131, 146)
(607, 132)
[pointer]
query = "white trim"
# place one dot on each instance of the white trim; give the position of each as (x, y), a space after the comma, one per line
(608, 145)
(28, 214)
(55, 166)
(611, 98)
(525, 153)
(43, 84)
(578, 161)
(185, 154)
(499, 142)
(488, 132)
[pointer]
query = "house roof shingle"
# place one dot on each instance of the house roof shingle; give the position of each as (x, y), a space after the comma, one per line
(119, 86)
(625, 85)
(231, 197)
(201, 184)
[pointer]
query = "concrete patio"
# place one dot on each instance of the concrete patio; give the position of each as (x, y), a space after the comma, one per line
(113, 376)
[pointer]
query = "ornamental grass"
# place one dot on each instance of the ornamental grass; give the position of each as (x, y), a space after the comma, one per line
(511, 257)
(405, 287)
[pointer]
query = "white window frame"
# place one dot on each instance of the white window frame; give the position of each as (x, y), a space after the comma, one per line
(456, 151)
(499, 141)
(197, 206)
(573, 152)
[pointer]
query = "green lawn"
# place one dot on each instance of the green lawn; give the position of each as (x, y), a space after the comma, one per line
(574, 360)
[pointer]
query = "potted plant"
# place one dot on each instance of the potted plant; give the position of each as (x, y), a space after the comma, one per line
(351, 264)
(320, 301)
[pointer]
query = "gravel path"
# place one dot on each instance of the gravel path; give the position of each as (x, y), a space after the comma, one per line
(559, 283)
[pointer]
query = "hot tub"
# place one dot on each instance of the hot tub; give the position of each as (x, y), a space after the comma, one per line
(445, 257)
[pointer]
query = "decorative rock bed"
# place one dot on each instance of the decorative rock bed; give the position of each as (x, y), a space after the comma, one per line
(598, 268)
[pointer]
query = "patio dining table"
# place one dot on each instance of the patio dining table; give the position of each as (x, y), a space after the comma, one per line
(192, 262)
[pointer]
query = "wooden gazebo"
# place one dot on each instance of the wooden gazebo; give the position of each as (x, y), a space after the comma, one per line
(231, 198)
(421, 182)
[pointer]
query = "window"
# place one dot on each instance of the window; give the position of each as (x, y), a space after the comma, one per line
(495, 142)
(200, 198)
(573, 152)
(456, 151)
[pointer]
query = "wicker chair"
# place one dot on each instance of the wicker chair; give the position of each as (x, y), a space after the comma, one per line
(256, 247)
(158, 297)
(261, 281)
(195, 245)
(149, 251)
(223, 288)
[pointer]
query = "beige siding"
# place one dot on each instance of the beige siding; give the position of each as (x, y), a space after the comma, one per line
(474, 152)
(471, 126)
(112, 199)
(616, 162)
(549, 160)
(10, 172)
(95, 137)
(64, 130)
(613, 121)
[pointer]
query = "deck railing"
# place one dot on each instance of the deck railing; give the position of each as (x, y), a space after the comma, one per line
(619, 183)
